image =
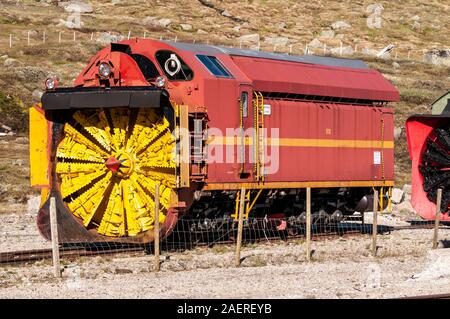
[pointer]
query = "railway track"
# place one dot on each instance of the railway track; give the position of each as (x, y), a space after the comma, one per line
(100, 249)
(25, 256)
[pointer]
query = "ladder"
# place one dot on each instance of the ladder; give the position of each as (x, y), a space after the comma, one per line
(259, 138)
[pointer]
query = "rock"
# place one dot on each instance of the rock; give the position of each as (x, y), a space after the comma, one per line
(31, 74)
(340, 25)
(164, 22)
(397, 195)
(237, 28)
(346, 50)
(407, 189)
(37, 95)
(438, 57)
(368, 51)
(327, 34)
(225, 13)
(281, 25)
(415, 25)
(4, 57)
(76, 6)
(21, 140)
(150, 21)
(315, 44)
(115, 1)
(396, 66)
(415, 18)
(405, 207)
(397, 133)
(10, 63)
(279, 41)
(18, 162)
(186, 27)
(123, 271)
(33, 204)
(106, 38)
(202, 32)
(253, 38)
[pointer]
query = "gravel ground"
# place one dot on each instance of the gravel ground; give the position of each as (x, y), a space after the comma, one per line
(342, 267)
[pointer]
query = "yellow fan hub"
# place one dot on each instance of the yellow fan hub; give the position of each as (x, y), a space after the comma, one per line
(108, 165)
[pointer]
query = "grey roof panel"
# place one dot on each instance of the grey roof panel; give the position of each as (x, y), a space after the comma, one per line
(310, 59)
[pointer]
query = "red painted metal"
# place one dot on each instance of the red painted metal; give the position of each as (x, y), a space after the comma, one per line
(418, 128)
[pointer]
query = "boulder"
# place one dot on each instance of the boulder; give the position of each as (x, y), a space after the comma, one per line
(37, 95)
(397, 195)
(395, 65)
(278, 41)
(405, 207)
(407, 188)
(397, 133)
(327, 34)
(346, 50)
(10, 63)
(438, 57)
(186, 27)
(202, 32)
(76, 6)
(252, 38)
(315, 44)
(340, 25)
(164, 22)
(107, 38)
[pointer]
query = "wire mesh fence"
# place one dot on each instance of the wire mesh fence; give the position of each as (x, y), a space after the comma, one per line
(32, 38)
(272, 240)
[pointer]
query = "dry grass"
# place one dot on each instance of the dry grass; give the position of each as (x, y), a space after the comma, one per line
(419, 83)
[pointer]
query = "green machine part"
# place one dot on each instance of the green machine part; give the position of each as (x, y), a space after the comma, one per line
(441, 105)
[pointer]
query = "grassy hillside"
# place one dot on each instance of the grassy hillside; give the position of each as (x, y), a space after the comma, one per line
(411, 25)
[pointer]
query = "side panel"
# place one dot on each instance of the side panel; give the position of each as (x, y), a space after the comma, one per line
(39, 154)
(323, 142)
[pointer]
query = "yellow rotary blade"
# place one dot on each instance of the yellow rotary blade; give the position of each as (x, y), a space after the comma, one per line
(95, 123)
(109, 167)
(85, 205)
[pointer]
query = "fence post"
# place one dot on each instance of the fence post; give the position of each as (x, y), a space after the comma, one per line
(59, 37)
(156, 229)
(308, 224)
(28, 37)
(237, 261)
(10, 40)
(375, 223)
(74, 36)
(55, 243)
(437, 218)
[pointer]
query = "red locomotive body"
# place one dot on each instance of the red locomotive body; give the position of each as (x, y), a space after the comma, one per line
(265, 121)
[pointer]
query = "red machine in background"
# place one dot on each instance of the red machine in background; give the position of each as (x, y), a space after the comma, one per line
(429, 150)
(272, 123)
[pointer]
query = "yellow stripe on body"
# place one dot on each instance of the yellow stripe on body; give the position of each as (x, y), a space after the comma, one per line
(303, 142)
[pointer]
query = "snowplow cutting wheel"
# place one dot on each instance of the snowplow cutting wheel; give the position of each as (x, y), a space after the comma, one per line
(108, 165)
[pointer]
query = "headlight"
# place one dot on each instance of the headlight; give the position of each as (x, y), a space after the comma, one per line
(160, 81)
(104, 70)
(51, 83)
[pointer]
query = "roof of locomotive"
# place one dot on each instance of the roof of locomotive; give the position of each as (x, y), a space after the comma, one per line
(309, 59)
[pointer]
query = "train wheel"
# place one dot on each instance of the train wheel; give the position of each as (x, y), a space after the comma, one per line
(435, 167)
(107, 165)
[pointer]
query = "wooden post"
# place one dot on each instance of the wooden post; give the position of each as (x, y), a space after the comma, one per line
(375, 223)
(28, 37)
(59, 37)
(74, 36)
(308, 224)
(10, 40)
(156, 229)
(437, 218)
(55, 243)
(240, 226)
